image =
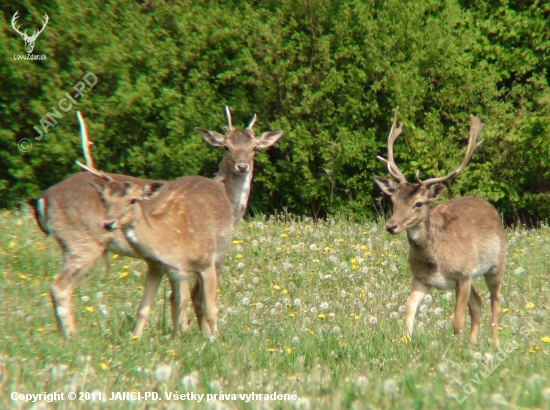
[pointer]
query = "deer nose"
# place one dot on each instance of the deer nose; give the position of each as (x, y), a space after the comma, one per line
(391, 227)
(109, 224)
(242, 167)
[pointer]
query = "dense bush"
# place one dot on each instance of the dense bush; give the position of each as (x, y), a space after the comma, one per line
(329, 73)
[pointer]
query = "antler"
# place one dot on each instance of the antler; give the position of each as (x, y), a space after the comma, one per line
(476, 126)
(86, 144)
(251, 125)
(394, 133)
(15, 17)
(228, 115)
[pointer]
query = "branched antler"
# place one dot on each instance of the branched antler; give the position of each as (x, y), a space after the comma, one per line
(390, 162)
(476, 126)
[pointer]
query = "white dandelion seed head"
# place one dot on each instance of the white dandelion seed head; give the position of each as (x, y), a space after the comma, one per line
(361, 382)
(423, 309)
(163, 372)
(215, 385)
(190, 381)
(370, 295)
(390, 386)
(323, 306)
(441, 324)
(297, 303)
(477, 356)
(295, 340)
(245, 301)
(487, 357)
(428, 299)
(240, 265)
(312, 247)
(546, 394)
(343, 294)
(372, 321)
(328, 277)
(438, 311)
(255, 280)
(313, 310)
(99, 296)
(364, 269)
(238, 248)
(389, 306)
(498, 398)
(394, 315)
(442, 368)
(259, 306)
(343, 265)
(85, 298)
(448, 296)
(519, 271)
(331, 315)
(402, 309)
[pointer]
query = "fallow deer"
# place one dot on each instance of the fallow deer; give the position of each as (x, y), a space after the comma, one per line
(187, 227)
(73, 213)
(450, 244)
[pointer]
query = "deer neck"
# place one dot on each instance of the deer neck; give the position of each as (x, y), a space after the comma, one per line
(139, 230)
(421, 238)
(237, 187)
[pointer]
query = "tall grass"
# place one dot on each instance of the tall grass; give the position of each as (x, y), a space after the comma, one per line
(309, 307)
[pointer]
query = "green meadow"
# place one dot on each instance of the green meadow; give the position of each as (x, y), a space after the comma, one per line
(310, 308)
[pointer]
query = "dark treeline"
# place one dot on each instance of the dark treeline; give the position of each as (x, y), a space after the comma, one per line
(328, 73)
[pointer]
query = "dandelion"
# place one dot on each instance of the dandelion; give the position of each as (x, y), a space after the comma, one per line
(519, 271)
(323, 306)
(335, 330)
(477, 356)
(498, 399)
(442, 324)
(372, 321)
(423, 309)
(428, 299)
(442, 368)
(259, 306)
(163, 372)
(190, 381)
(394, 315)
(488, 357)
(546, 394)
(545, 339)
(240, 265)
(361, 382)
(402, 309)
(85, 299)
(364, 269)
(535, 379)
(390, 386)
(389, 306)
(328, 277)
(370, 295)
(312, 247)
(331, 315)
(127, 306)
(245, 301)
(99, 296)
(288, 350)
(448, 296)
(438, 311)
(295, 340)
(313, 310)
(343, 294)
(103, 310)
(297, 303)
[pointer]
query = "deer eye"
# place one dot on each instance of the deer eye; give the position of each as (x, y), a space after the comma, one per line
(225, 147)
(255, 148)
(419, 204)
(133, 201)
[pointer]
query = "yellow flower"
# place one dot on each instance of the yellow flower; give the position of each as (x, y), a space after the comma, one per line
(367, 254)
(22, 276)
(406, 339)
(288, 350)
(90, 308)
(276, 287)
(12, 245)
(271, 349)
(340, 240)
(284, 235)
(322, 316)
(104, 366)
(356, 317)
(364, 233)
(251, 225)
(530, 305)
(354, 261)
(504, 310)
(123, 275)
(238, 256)
(284, 291)
(545, 339)
(19, 222)
(291, 314)
(287, 229)
(363, 247)
(327, 248)
(126, 267)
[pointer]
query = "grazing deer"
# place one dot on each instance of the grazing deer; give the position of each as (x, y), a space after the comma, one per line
(450, 244)
(186, 228)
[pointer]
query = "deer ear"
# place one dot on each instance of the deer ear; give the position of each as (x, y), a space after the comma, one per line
(98, 187)
(152, 189)
(267, 139)
(386, 185)
(436, 191)
(212, 137)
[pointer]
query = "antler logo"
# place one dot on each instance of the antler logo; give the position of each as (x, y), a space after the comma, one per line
(29, 41)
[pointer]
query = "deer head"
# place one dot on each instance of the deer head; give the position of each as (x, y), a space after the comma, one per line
(29, 41)
(411, 201)
(240, 146)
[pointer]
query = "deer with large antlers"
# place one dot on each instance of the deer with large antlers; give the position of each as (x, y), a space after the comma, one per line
(29, 40)
(73, 212)
(450, 244)
(187, 227)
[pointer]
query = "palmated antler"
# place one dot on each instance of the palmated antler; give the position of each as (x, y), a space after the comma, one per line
(476, 126)
(252, 122)
(86, 144)
(390, 162)
(229, 127)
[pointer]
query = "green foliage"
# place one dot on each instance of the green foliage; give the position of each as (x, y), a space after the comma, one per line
(328, 73)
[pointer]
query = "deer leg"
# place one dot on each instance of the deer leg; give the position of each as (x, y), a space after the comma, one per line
(178, 305)
(419, 290)
(462, 297)
(107, 264)
(209, 285)
(198, 306)
(493, 279)
(73, 270)
(153, 278)
(474, 305)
